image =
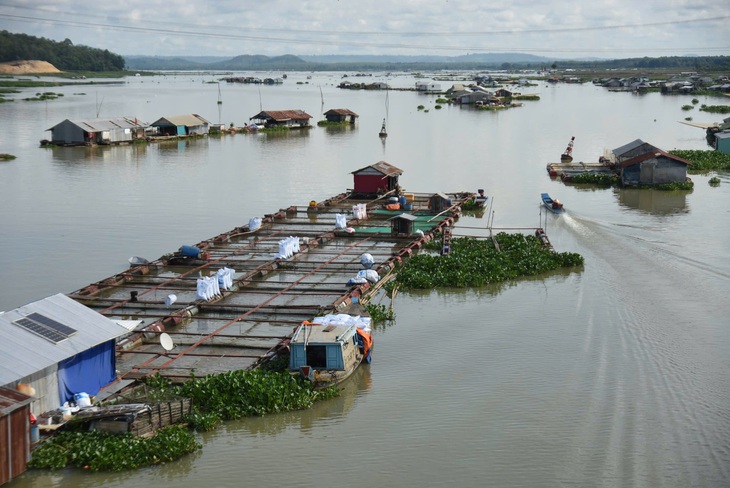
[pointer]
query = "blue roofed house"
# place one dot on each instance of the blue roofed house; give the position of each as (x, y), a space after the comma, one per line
(60, 348)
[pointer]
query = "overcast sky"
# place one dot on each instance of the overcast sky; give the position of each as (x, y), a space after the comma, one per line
(552, 28)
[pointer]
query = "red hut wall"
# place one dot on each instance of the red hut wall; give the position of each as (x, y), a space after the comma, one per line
(370, 183)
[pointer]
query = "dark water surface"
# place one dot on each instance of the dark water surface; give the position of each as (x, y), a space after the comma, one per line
(616, 375)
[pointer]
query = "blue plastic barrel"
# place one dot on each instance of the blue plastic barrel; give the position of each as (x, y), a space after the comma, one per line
(191, 251)
(402, 200)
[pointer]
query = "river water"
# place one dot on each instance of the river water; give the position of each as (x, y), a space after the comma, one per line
(615, 375)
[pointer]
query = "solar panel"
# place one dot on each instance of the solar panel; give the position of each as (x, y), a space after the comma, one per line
(48, 322)
(44, 327)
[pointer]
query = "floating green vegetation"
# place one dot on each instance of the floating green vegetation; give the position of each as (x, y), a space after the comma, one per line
(703, 160)
(598, 179)
(675, 186)
(276, 128)
(438, 107)
(39, 97)
(471, 206)
(380, 314)
(327, 123)
(528, 97)
(688, 119)
(687, 107)
(695, 101)
(6, 157)
(442, 100)
(714, 181)
(476, 263)
(236, 394)
(716, 109)
(420, 107)
(492, 107)
(101, 451)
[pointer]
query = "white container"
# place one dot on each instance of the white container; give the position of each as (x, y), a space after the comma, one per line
(82, 400)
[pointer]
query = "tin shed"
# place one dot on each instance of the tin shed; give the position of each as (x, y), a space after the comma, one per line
(655, 168)
(58, 346)
(632, 149)
(439, 202)
(380, 177)
(14, 433)
(403, 223)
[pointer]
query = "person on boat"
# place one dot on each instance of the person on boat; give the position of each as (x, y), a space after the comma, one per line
(557, 204)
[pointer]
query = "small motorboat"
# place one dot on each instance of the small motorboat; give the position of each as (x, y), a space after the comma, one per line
(553, 205)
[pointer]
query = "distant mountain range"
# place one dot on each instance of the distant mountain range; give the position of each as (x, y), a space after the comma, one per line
(487, 61)
(330, 62)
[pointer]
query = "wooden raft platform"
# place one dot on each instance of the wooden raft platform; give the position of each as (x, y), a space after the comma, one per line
(270, 296)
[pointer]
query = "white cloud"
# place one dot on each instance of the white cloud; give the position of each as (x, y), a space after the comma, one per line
(607, 28)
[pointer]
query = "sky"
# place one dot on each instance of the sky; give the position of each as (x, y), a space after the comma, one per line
(557, 29)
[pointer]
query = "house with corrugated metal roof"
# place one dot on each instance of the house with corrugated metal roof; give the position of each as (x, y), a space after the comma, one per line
(377, 178)
(293, 119)
(80, 132)
(181, 125)
(60, 348)
(654, 168)
(341, 115)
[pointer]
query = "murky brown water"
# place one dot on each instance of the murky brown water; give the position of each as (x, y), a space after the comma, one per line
(614, 376)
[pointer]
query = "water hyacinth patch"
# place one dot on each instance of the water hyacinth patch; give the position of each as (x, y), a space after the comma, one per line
(477, 262)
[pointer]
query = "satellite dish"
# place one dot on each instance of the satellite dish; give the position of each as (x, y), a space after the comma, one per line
(166, 341)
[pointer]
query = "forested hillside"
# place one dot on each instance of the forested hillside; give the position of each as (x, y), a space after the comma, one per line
(63, 55)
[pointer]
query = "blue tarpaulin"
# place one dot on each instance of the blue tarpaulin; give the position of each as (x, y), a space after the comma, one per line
(87, 372)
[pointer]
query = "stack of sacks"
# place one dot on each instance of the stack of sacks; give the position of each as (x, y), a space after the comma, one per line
(225, 278)
(344, 319)
(207, 288)
(367, 260)
(288, 247)
(360, 211)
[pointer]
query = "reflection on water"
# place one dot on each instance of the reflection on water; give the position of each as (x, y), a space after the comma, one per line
(654, 202)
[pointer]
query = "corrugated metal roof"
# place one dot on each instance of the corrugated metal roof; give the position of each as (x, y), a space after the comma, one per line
(652, 155)
(178, 120)
(23, 353)
(11, 400)
(341, 111)
(628, 147)
(382, 167)
(97, 125)
(282, 115)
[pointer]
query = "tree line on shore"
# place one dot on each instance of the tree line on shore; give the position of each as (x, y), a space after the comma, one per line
(63, 55)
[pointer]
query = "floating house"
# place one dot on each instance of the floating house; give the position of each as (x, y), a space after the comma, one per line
(80, 132)
(341, 115)
(377, 178)
(14, 433)
(654, 168)
(294, 119)
(424, 86)
(60, 348)
(181, 125)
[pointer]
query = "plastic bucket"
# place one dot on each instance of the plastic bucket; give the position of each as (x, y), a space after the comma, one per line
(35, 434)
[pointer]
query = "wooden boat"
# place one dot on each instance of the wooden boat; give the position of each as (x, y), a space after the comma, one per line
(553, 205)
(330, 348)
